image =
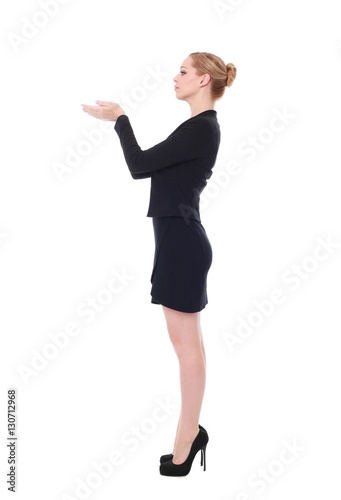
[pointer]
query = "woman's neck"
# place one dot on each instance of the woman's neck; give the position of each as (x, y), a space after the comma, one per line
(200, 106)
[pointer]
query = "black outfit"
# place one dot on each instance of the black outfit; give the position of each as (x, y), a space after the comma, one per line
(179, 168)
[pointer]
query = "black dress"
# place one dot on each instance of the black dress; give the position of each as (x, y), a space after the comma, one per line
(179, 168)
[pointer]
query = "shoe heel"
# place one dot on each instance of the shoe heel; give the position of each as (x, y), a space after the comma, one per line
(203, 457)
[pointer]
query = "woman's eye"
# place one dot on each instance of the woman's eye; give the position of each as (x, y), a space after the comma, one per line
(182, 72)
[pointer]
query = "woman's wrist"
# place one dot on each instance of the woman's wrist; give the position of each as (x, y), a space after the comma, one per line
(121, 114)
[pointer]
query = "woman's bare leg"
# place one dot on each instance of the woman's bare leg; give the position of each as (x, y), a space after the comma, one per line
(186, 336)
(204, 355)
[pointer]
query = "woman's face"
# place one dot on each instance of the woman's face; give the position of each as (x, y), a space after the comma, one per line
(187, 81)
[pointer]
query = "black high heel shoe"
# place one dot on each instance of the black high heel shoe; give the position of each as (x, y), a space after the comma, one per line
(165, 458)
(168, 468)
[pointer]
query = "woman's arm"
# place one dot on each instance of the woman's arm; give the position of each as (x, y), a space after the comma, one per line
(184, 144)
(109, 111)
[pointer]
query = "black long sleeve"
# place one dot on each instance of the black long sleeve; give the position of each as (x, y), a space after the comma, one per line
(184, 144)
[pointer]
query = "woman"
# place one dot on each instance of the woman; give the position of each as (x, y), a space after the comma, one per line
(179, 168)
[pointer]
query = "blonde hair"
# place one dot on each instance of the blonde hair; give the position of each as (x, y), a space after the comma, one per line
(222, 75)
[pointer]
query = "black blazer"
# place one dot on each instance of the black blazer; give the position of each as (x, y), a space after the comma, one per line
(179, 166)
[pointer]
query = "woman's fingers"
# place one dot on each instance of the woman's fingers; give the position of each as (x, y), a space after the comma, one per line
(104, 111)
(93, 110)
(88, 109)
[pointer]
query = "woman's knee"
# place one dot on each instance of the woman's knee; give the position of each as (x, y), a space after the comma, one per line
(186, 341)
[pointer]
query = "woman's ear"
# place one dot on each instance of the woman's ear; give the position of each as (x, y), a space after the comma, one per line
(205, 79)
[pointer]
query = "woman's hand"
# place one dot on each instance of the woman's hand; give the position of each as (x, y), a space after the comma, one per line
(105, 110)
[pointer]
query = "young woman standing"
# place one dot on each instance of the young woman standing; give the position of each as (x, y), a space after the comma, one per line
(179, 168)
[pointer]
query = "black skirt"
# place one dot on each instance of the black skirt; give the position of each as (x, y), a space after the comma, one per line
(183, 256)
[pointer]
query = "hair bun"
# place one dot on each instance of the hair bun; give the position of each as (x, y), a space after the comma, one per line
(231, 74)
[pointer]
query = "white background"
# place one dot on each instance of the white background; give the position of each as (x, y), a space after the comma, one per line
(60, 240)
